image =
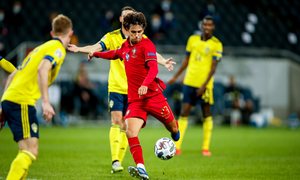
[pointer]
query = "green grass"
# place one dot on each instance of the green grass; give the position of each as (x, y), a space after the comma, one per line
(238, 153)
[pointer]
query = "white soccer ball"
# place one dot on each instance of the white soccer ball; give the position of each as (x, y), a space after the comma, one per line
(164, 148)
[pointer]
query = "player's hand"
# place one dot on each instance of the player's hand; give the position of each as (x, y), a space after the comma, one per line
(73, 48)
(201, 90)
(48, 111)
(142, 90)
(169, 64)
(90, 56)
(171, 81)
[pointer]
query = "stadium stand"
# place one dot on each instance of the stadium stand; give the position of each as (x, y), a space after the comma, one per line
(275, 20)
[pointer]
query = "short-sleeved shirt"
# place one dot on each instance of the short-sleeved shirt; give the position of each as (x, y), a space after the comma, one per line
(202, 54)
(24, 88)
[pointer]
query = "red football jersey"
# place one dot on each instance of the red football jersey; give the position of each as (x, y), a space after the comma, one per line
(135, 58)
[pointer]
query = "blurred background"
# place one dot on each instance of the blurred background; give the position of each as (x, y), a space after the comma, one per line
(257, 82)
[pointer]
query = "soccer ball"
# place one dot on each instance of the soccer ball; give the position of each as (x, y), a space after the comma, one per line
(164, 148)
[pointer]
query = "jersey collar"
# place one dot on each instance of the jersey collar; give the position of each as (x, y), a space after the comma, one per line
(123, 35)
(57, 39)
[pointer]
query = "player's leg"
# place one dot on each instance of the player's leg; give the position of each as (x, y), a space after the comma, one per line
(23, 123)
(159, 108)
(134, 125)
(207, 129)
(183, 125)
(28, 151)
(189, 100)
(123, 137)
(117, 123)
(135, 119)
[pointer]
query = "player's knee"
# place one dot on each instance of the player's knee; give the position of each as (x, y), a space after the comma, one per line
(131, 133)
(117, 120)
(184, 113)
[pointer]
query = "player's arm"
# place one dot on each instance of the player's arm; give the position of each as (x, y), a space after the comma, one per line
(43, 72)
(212, 71)
(168, 63)
(6, 65)
(85, 49)
(181, 69)
(152, 73)
(109, 55)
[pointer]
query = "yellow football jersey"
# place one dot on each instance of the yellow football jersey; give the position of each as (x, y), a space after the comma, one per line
(6, 65)
(117, 80)
(202, 54)
(24, 88)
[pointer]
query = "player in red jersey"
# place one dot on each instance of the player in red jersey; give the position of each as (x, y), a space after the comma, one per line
(144, 88)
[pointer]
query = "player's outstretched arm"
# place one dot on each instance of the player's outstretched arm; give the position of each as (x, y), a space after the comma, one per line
(168, 63)
(180, 70)
(109, 55)
(85, 49)
(43, 72)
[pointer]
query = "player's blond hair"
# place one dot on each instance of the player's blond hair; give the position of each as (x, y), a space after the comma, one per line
(61, 24)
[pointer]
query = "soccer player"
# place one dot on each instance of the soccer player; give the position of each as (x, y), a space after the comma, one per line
(144, 88)
(6, 65)
(117, 88)
(203, 54)
(27, 84)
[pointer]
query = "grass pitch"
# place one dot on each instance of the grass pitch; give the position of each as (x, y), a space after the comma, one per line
(238, 153)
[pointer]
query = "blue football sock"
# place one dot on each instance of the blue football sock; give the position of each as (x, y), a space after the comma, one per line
(175, 136)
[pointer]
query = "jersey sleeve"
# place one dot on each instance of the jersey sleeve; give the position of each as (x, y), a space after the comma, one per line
(150, 51)
(105, 42)
(217, 54)
(55, 55)
(6, 65)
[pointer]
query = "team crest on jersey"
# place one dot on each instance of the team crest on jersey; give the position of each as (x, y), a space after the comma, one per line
(133, 52)
(34, 127)
(207, 49)
(58, 53)
(127, 57)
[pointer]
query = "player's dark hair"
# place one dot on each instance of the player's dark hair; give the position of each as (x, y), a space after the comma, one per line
(136, 18)
(128, 8)
(208, 17)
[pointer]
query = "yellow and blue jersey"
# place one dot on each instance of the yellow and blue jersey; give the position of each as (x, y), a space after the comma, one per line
(24, 88)
(117, 80)
(6, 65)
(202, 54)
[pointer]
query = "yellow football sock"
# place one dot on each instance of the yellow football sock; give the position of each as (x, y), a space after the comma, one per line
(20, 165)
(183, 124)
(114, 139)
(207, 130)
(123, 145)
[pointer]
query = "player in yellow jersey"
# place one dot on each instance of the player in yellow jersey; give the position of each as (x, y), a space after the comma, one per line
(117, 88)
(203, 54)
(6, 65)
(25, 86)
